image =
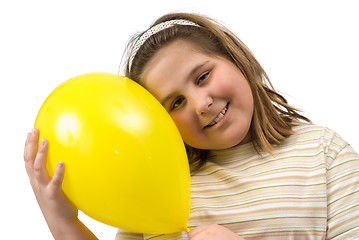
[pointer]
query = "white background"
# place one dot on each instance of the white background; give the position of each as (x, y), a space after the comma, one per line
(308, 48)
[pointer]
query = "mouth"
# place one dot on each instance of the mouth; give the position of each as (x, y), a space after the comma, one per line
(219, 117)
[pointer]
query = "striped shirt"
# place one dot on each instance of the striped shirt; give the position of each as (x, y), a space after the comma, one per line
(308, 189)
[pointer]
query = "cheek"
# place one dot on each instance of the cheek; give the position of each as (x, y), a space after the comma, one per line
(225, 88)
(186, 124)
(224, 84)
(238, 90)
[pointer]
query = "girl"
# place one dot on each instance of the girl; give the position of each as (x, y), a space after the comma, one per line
(260, 170)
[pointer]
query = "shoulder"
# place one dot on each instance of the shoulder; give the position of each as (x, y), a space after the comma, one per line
(327, 141)
(312, 140)
(313, 133)
(311, 129)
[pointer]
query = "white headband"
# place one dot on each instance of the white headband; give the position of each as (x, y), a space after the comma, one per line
(155, 29)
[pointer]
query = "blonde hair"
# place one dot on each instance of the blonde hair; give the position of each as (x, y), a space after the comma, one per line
(273, 118)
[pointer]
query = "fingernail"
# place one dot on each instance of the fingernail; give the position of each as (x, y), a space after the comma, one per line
(43, 141)
(60, 164)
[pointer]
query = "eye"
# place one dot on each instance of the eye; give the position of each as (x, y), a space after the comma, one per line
(177, 102)
(203, 77)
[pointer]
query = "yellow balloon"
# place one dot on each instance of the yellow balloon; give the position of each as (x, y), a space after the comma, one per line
(126, 164)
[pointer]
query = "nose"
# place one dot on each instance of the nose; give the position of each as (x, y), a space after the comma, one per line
(203, 102)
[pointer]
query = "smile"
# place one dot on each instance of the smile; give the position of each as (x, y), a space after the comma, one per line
(219, 117)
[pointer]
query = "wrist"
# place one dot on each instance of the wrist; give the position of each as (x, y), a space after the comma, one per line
(71, 229)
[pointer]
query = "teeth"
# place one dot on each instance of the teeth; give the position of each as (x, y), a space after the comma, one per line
(219, 117)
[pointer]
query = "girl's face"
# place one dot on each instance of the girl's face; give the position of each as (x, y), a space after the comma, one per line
(207, 96)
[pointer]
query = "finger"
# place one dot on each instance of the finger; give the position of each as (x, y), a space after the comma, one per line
(56, 182)
(31, 146)
(196, 231)
(26, 143)
(58, 177)
(40, 171)
(30, 151)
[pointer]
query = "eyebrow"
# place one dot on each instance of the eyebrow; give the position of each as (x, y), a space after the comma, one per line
(191, 73)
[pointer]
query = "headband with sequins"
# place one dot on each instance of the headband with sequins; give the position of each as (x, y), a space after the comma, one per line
(155, 29)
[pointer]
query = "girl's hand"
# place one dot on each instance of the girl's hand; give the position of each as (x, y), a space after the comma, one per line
(212, 232)
(56, 208)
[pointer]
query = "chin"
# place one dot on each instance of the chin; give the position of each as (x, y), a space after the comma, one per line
(224, 142)
(221, 145)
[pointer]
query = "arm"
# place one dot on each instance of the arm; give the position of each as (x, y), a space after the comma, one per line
(60, 214)
(342, 190)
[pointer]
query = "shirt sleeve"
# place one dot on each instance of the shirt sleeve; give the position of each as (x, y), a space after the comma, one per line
(125, 235)
(342, 189)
